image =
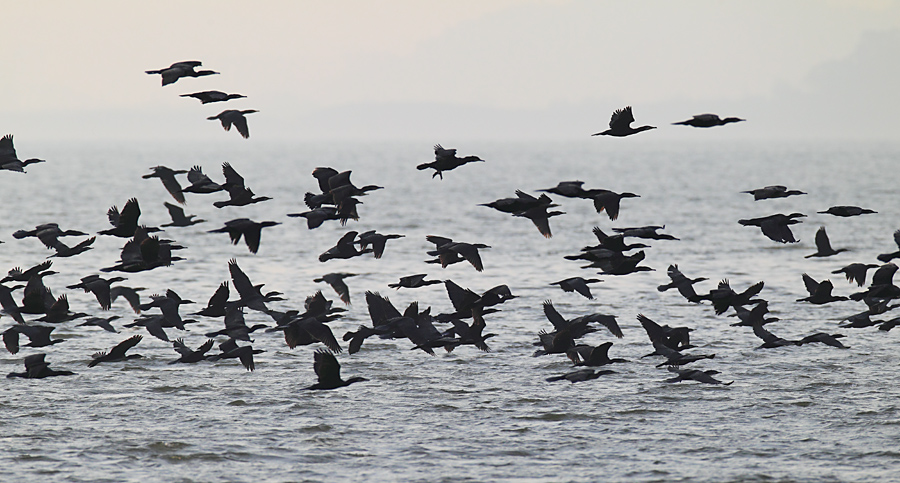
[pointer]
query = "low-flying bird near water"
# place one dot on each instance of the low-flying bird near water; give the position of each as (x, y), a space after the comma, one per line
(620, 124)
(328, 371)
(8, 159)
(774, 191)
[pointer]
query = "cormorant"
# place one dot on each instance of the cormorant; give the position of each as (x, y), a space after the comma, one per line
(8, 158)
(609, 201)
(167, 176)
(774, 191)
(449, 251)
(117, 353)
(236, 117)
(847, 211)
(775, 226)
(696, 375)
(205, 97)
(230, 350)
(328, 371)
(856, 272)
(823, 246)
(414, 281)
(201, 183)
(648, 232)
(885, 257)
(446, 160)
(819, 292)
(336, 281)
(580, 375)
(541, 217)
(125, 222)
(178, 216)
(708, 120)
(586, 355)
(38, 336)
(37, 368)
(238, 193)
(577, 284)
(684, 285)
(181, 69)
(620, 124)
(377, 240)
(523, 201)
(343, 249)
(190, 356)
(247, 228)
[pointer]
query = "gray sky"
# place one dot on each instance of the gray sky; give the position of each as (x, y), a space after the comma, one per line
(401, 69)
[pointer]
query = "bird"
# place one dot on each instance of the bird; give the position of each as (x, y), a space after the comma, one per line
(230, 350)
(522, 202)
(125, 222)
(169, 305)
(822, 337)
(215, 307)
(98, 286)
(117, 353)
(446, 160)
(684, 285)
(856, 272)
(377, 240)
(38, 336)
(247, 228)
(47, 233)
(540, 217)
(674, 338)
(819, 292)
(609, 201)
(847, 211)
(885, 257)
(449, 252)
(167, 176)
(205, 97)
(769, 339)
(37, 368)
(251, 295)
(569, 189)
(414, 281)
(189, 356)
(723, 296)
(8, 158)
(9, 304)
(823, 246)
(707, 120)
(178, 216)
(238, 193)
(317, 216)
(235, 117)
(696, 375)
(578, 284)
(776, 226)
(63, 250)
(774, 191)
(102, 322)
(647, 232)
(328, 372)
(235, 325)
(586, 355)
(580, 375)
(620, 124)
(336, 281)
(181, 69)
(200, 183)
(344, 249)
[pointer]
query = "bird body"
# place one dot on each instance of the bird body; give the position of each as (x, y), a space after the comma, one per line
(708, 120)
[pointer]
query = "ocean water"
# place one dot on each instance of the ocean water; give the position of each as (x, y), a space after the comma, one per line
(810, 413)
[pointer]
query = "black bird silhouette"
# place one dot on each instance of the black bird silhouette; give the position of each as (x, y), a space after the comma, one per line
(523, 201)
(541, 217)
(569, 189)
(239, 194)
(37, 368)
(167, 176)
(708, 120)
(822, 337)
(414, 281)
(578, 284)
(774, 191)
(47, 233)
(8, 158)
(117, 353)
(102, 322)
(200, 183)
(586, 355)
(377, 240)
(328, 371)
(98, 286)
(189, 356)
(449, 251)
(775, 226)
(885, 257)
(674, 338)
(317, 216)
(446, 160)
(230, 350)
(247, 228)
(609, 201)
(234, 117)
(620, 124)
(63, 250)
(216, 305)
(819, 292)
(343, 249)
(647, 232)
(181, 69)
(823, 246)
(251, 295)
(9, 304)
(336, 281)
(847, 211)
(684, 285)
(723, 296)
(205, 97)
(580, 375)
(696, 375)
(125, 222)
(856, 272)
(235, 326)
(38, 336)
(178, 216)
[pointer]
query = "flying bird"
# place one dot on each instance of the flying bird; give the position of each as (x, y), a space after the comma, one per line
(178, 70)
(620, 124)
(708, 120)
(234, 117)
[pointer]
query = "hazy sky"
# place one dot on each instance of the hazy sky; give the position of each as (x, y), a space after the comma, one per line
(488, 68)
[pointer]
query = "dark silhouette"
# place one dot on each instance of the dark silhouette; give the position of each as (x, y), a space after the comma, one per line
(328, 371)
(247, 228)
(885, 257)
(343, 249)
(37, 368)
(125, 222)
(201, 183)
(578, 284)
(707, 120)
(446, 160)
(609, 201)
(336, 281)
(167, 176)
(117, 353)
(647, 232)
(178, 216)
(414, 281)
(38, 336)
(234, 117)
(775, 226)
(620, 124)
(819, 292)
(856, 272)
(47, 233)
(230, 350)
(205, 97)
(846, 211)
(377, 240)
(523, 201)
(586, 355)
(8, 158)
(189, 356)
(239, 194)
(580, 375)
(723, 296)
(180, 69)
(823, 245)
(684, 285)
(696, 375)
(774, 191)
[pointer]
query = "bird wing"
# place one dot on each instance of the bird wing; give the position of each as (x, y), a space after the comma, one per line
(240, 122)
(122, 347)
(7, 151)
(470, 253)
(621, 118)
(559, 323)
(327, 367)
(822, 243)
(811, 285)
(240, 279)
(231, 176)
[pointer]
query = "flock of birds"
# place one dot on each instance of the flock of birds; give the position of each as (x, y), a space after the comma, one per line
(337, 199)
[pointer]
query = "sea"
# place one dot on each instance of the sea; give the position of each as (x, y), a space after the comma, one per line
(797, 413)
